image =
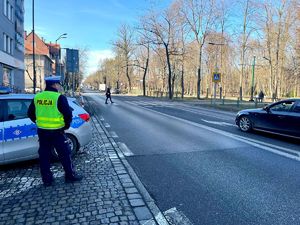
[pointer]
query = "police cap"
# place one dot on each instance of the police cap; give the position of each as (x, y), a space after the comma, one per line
(53, 80)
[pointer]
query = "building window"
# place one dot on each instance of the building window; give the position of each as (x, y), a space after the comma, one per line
(11, 14)
(8, 44)
(8, 79)
(5, 7)
(8, 10)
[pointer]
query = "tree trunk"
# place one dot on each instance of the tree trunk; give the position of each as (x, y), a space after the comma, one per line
(169, 72)
(182, 80)
(199, 74)
(144, 77)
(128, 78)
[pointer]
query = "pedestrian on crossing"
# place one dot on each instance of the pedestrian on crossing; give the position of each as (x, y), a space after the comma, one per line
(108, 96)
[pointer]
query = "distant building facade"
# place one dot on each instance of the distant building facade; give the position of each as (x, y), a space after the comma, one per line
(12, 44)
(43, 62)
(55, 55)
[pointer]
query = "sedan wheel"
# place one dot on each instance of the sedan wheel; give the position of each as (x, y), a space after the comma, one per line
(72, 143)
(245, 124)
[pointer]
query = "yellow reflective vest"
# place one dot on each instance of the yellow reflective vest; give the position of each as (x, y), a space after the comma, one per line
(46, 111)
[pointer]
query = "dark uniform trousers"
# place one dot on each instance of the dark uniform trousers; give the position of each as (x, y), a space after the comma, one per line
(50, 139)
(108, 96)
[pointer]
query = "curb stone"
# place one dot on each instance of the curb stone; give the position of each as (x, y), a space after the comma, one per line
(144, 208)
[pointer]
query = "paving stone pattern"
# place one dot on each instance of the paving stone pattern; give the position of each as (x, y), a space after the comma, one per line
(106, 195)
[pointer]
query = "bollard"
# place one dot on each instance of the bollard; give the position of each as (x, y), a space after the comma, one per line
(223, 100)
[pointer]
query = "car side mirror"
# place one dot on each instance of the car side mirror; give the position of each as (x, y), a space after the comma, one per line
(11, 117)
(266, 108)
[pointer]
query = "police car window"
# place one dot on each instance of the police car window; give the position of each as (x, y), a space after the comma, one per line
(76, 103)
(17, 109)
(1, 111)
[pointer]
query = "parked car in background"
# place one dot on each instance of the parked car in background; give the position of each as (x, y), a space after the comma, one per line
(281, 118)
(18, 135)
(115, 91)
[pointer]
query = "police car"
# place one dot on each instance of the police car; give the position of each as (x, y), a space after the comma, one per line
(18, 135)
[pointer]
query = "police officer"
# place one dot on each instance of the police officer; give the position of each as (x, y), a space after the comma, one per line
(51, 113)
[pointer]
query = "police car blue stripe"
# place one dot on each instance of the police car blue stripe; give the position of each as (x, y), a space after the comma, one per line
(1, 135)
(27, 130)
(77, 122)
(18, 132)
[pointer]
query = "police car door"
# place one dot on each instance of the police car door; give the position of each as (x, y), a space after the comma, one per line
(20, 137)
(1, 132)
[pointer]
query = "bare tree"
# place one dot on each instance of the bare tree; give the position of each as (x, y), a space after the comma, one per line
(175, 40)
(142, 59)
(161, 29)
(279, 19)
(248, 29)
(199, 15)
(125, 47)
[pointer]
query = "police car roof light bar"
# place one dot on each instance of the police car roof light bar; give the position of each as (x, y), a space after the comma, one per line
(5, 90)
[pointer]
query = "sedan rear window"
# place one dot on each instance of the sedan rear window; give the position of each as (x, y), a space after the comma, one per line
(283, 106)
(297, 107)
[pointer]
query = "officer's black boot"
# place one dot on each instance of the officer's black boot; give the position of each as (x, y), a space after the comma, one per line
(73, 178)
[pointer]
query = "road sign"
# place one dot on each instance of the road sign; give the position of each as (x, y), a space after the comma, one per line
(216, 77)
(72, 61)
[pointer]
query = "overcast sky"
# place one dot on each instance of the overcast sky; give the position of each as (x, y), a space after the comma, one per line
(91, 24)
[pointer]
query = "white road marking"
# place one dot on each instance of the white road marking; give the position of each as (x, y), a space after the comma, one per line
(274, 146)
(262, 145)
(218, 123)
(176, 217)
(205, 112)
(173, 216)
(113, 134)
(125, 150)
(106, 125)
(201, 113)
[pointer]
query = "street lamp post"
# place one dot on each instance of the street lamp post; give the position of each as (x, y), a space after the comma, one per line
(57, 63)
(61, 36)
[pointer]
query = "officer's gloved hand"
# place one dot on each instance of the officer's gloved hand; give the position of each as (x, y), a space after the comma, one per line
(66, 127)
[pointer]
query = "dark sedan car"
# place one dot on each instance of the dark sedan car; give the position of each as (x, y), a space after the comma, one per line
(281, 118)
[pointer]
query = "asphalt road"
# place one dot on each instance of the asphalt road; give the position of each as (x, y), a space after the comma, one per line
(195, 159)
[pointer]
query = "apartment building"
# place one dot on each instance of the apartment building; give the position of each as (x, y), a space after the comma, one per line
(43, 62)
(12, 44)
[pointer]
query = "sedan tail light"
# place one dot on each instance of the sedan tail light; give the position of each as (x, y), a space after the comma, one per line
(85, 116)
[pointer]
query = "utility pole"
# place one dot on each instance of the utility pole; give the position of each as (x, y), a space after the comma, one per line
(33, 50)
(73, 84)
(252, 83)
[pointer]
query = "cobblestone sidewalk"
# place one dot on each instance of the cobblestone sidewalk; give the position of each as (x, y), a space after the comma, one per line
(106, 195)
